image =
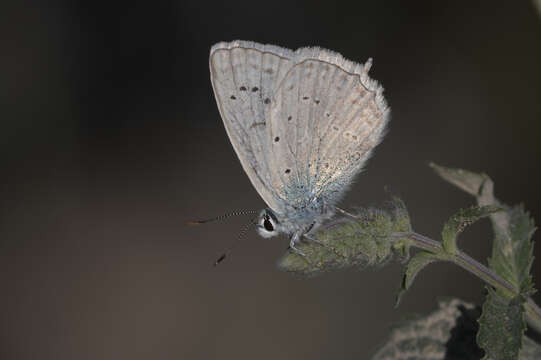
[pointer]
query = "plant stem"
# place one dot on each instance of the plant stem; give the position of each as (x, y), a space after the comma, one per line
(533, 312)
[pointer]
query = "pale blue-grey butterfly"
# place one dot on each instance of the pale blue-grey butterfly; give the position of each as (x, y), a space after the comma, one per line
(303, 123)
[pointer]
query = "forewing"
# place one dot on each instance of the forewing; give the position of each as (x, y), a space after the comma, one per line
(244, 77)
(328, 116)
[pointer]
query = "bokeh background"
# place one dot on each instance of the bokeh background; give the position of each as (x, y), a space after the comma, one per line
(111, 139)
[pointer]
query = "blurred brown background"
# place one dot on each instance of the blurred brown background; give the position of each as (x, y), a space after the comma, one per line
(111, 139)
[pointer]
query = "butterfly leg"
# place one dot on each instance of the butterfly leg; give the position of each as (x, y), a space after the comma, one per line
(307, 235)
(346, 213)
(295, 238)
(314, 240)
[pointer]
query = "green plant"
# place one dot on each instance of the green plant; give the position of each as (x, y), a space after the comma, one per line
(370, 237)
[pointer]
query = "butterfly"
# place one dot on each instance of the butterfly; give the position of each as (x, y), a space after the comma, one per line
(302, 123)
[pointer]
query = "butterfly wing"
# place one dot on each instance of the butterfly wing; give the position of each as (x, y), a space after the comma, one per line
(328, 116)
(302, 123)
(244, 77)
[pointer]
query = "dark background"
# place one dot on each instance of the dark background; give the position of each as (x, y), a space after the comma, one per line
(111, 139)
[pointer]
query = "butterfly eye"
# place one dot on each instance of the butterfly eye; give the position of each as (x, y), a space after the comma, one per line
(268, 224)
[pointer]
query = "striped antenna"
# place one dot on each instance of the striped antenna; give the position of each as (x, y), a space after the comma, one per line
(223, 217)
(237, 241)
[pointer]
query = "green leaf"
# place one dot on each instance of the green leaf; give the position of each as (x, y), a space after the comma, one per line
(501, 326)
(512, 249)
(464, 217)
(369, 237)
(502, 322)
(466, 180)
(416, 264)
